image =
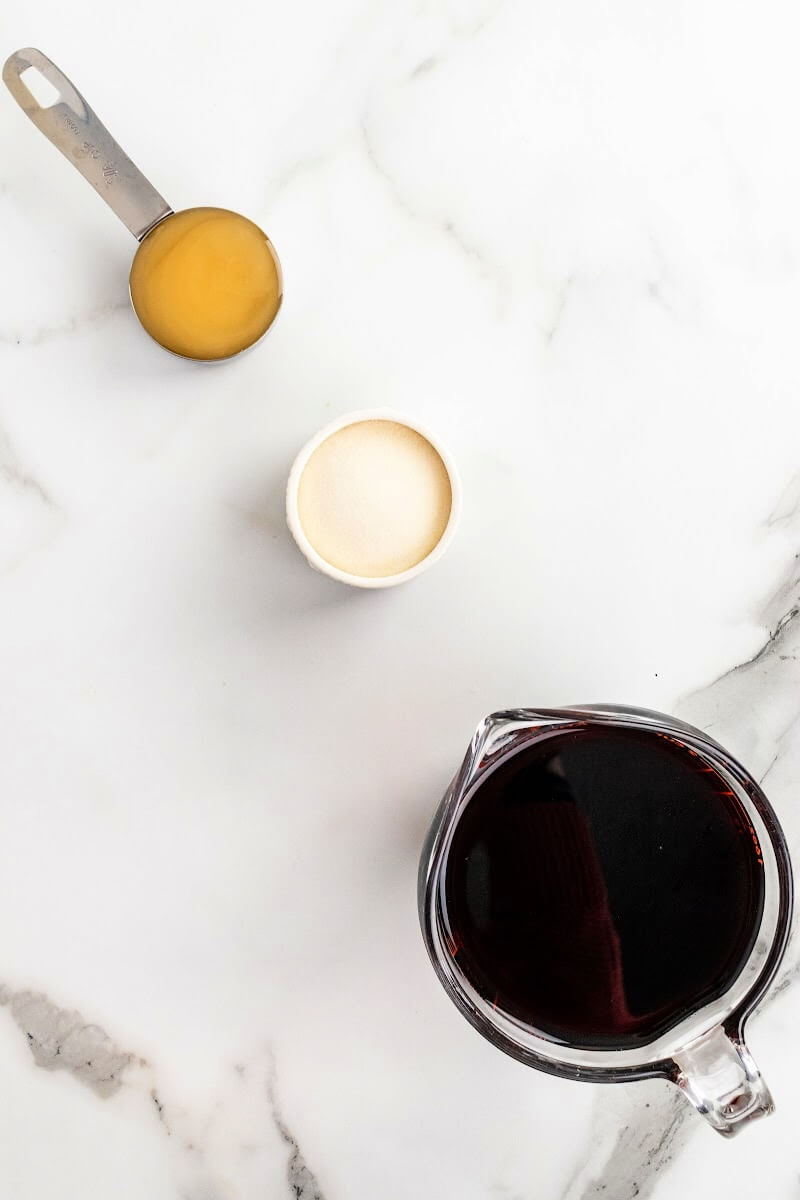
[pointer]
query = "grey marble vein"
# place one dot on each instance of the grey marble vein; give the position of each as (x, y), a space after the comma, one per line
(640, 1151)
(659, 284)
(773, 639)
(13, 471)
(425, 66)
(788, 503)
(459, 31)
(301, 1179)
(49, 333)
(785, 980)
(61, 1040)
(296, 170)
(159, 1107)
(447, 228)
(781, 643)
(559, 309)
(471, 27)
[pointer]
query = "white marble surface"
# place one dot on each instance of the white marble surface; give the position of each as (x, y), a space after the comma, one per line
(566, 236)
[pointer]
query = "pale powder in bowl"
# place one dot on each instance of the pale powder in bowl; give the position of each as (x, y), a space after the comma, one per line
(374, 498)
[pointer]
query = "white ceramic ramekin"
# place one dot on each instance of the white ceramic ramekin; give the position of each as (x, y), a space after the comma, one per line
(293, 517)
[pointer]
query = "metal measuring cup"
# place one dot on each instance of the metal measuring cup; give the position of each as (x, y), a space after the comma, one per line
(223, 258)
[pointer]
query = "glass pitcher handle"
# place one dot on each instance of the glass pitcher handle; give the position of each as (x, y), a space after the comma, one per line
(719, 1076)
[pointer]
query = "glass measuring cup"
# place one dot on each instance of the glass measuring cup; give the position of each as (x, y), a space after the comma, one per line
(205, 283)
(595, 850)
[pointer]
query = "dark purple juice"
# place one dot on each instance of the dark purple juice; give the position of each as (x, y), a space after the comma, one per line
(601, 885)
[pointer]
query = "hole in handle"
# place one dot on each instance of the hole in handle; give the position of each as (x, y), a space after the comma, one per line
(45, 93)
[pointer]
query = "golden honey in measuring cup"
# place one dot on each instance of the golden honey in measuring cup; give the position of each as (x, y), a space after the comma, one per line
(205, 282)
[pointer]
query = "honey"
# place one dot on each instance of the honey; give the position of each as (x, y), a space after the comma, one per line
(206, 283)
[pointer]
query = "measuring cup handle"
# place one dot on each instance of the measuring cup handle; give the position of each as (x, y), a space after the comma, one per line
(75, 130)
(719, 1076)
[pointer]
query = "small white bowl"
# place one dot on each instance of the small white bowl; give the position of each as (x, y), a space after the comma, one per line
(293, 516)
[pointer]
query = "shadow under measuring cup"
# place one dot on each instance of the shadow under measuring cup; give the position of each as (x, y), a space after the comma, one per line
(205, 283)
